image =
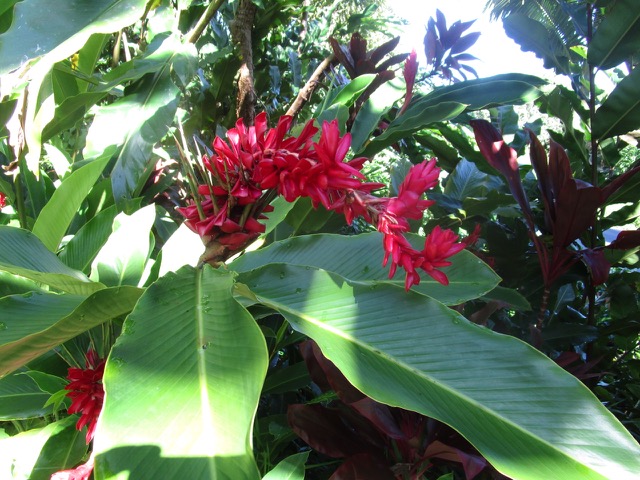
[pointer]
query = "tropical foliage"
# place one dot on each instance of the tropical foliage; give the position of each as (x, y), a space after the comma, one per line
(217, 259)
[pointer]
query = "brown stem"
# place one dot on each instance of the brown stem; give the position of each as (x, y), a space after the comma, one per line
(305, 93)
(241, 28)
(194, 34)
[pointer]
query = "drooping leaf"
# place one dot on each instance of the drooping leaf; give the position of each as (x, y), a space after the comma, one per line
(37, 454)
(291, 468)
(22, 253)
(468, 276)
(617, 37)
(122, 260)
(139, 119)
(35, 323)
(534, 36)
(620, 112)
(20, 398)
(56, 216)
(80, 251)
(408, 350)
(57, 30)
(202, 358)
(411, 123)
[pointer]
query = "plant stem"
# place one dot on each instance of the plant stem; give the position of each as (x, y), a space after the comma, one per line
(22, 214)
(591, 291)
(305, 92)
(194, 34)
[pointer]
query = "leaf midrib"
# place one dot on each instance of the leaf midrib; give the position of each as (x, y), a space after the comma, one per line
(437, 384)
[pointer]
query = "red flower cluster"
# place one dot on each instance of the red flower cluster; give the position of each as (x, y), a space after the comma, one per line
(86, 392)
(81, 472)
(3, 200)
(258, 162)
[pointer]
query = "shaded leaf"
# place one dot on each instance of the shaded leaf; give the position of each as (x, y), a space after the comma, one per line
(22, 253)
(617, 37)
(410, 351)
(35, 323)
(468, 276)
(620, 112)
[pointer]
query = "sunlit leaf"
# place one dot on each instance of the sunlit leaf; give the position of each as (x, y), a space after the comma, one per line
(409, 351)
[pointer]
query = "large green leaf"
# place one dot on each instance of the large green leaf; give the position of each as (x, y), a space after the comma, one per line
(525, 414)
(20, 398)
(355, 258)
(80, 251)
(140, 119)
(368, 118)
(34, 323)
(617, 37)
(56, 216)
(59, 29)
(620, 112)
(534, 36)
(122, 260)
(22, 253)
(39, 453)
(182, 384)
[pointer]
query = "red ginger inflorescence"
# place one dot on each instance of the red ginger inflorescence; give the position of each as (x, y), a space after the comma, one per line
(257, 163)
(86, 392)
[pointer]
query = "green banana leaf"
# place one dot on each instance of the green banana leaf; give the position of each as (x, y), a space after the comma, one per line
(22, 253)
(617, 38)
(37, 454)
(531, 419)
(620, 112)
(56, 216)
(59, 29)
(469, 277)
(34, 323)
(182, 384)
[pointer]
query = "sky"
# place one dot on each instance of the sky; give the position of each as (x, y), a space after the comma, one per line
(497, 53)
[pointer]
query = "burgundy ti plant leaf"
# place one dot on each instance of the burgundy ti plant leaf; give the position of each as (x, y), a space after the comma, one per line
(439, 40)
(570, 205)
(378, 442)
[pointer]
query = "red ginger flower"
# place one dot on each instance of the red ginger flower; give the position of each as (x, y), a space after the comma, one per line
(257, 159)
(86, 392)
(81, 472)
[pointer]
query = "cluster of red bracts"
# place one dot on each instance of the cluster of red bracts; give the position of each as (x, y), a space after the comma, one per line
(258, 162)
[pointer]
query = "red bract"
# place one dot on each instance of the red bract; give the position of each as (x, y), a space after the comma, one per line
(409, 73)
(86, 392)
(3, 200)
(257, 163)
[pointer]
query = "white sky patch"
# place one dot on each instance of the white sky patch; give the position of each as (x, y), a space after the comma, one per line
(496, 52)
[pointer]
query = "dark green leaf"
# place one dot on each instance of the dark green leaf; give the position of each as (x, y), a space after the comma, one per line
(620, 112)
(617, 38)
